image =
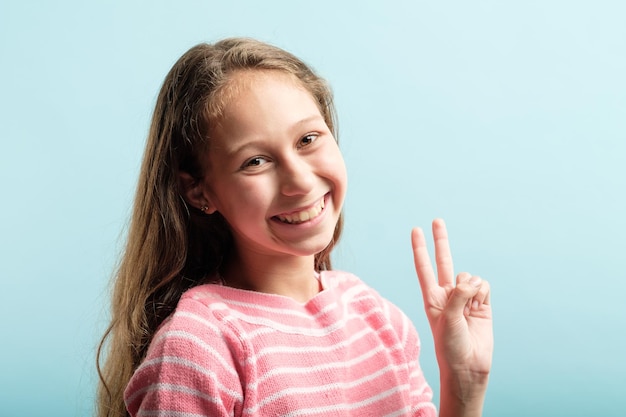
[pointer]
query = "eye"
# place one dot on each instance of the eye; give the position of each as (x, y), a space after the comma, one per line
(307, 139)
(257, 161)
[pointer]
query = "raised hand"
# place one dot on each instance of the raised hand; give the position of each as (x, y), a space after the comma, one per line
(459, 314)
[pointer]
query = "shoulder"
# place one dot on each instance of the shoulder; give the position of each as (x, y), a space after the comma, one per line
(197, 324)
(345, 283)
(370, 303)
(194, 355)
(355, 289)
(195, 333)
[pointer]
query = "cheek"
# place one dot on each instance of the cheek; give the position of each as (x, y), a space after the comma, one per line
(336, 168)
(248, 198)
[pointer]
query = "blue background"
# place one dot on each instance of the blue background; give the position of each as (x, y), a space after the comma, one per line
(506, 118)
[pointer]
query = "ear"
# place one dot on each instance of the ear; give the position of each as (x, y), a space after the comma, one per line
(194, 193)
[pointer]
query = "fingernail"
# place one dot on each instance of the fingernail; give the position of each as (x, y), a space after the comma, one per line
(475, 305)
(475, 281)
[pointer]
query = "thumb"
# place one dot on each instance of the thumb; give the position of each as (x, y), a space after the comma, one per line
(466, 288)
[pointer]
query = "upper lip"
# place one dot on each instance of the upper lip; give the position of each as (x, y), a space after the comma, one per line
(302, 208)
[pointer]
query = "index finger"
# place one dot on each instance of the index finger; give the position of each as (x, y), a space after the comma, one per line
(421, 258)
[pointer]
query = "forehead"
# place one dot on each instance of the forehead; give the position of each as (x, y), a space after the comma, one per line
(258, 101)
(246, 84)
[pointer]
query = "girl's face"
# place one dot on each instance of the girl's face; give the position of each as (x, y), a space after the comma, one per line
(274, 169)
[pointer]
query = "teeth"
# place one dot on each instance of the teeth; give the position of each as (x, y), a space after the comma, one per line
(304, 215)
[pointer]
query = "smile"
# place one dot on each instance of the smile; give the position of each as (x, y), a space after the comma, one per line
(303, 215)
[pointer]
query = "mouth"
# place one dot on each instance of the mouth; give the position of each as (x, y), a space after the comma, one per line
(302, 216)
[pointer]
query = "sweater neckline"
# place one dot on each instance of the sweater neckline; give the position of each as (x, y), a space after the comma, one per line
(262, 298)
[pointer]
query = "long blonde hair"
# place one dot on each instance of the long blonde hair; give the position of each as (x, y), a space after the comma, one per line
(172, 246)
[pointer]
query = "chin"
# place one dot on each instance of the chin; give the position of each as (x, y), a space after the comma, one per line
(311, 248)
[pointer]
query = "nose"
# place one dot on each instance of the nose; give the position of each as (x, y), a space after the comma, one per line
(297, 177)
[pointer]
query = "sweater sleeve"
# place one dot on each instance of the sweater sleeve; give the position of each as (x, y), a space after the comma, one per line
(191, 369)
(421, 392)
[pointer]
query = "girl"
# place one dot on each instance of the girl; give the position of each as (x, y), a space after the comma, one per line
(225, 303)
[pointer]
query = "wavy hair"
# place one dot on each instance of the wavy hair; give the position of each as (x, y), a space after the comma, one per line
(170, 246)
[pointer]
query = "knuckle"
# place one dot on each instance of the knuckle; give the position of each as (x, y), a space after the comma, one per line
(463, 277)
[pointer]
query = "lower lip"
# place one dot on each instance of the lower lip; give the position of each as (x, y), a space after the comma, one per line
(309, 223)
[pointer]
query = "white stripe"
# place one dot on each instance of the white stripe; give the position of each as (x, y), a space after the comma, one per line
(309, 349)
(161, 386)
(351, 294)
(414, 409)
(317, 349)
(227, 302)
(180, 334)
(322, 388)
(253, 359)
(261, 331)
(167, 413)
(264, 331)
(304, 331)
(346, 407)
(349, 297)
(199, 319)
(405, 329)
(298, 350)
(424, 405)
(415, 369)
(284, 328)
(386, 311)
(423, 389)
(327, 366)
(401, 412)
(237, 396)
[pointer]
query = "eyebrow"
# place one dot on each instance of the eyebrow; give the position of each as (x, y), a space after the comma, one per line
(309, 119)
(294, 126)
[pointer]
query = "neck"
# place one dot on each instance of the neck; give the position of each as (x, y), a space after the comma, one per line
(290, 276)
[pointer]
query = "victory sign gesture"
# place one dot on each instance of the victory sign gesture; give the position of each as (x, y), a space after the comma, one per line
(459, 313)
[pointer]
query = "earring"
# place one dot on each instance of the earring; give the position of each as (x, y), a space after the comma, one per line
(204, 208)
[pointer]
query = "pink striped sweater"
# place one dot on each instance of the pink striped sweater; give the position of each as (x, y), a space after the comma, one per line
(231, 352)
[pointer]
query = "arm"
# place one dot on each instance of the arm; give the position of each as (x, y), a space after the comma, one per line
(460, 319)
(189, 370)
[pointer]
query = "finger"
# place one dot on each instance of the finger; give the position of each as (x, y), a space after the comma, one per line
(443, 256)
(463, 277)
(482, 297)
(421, 258)
(461, 297)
